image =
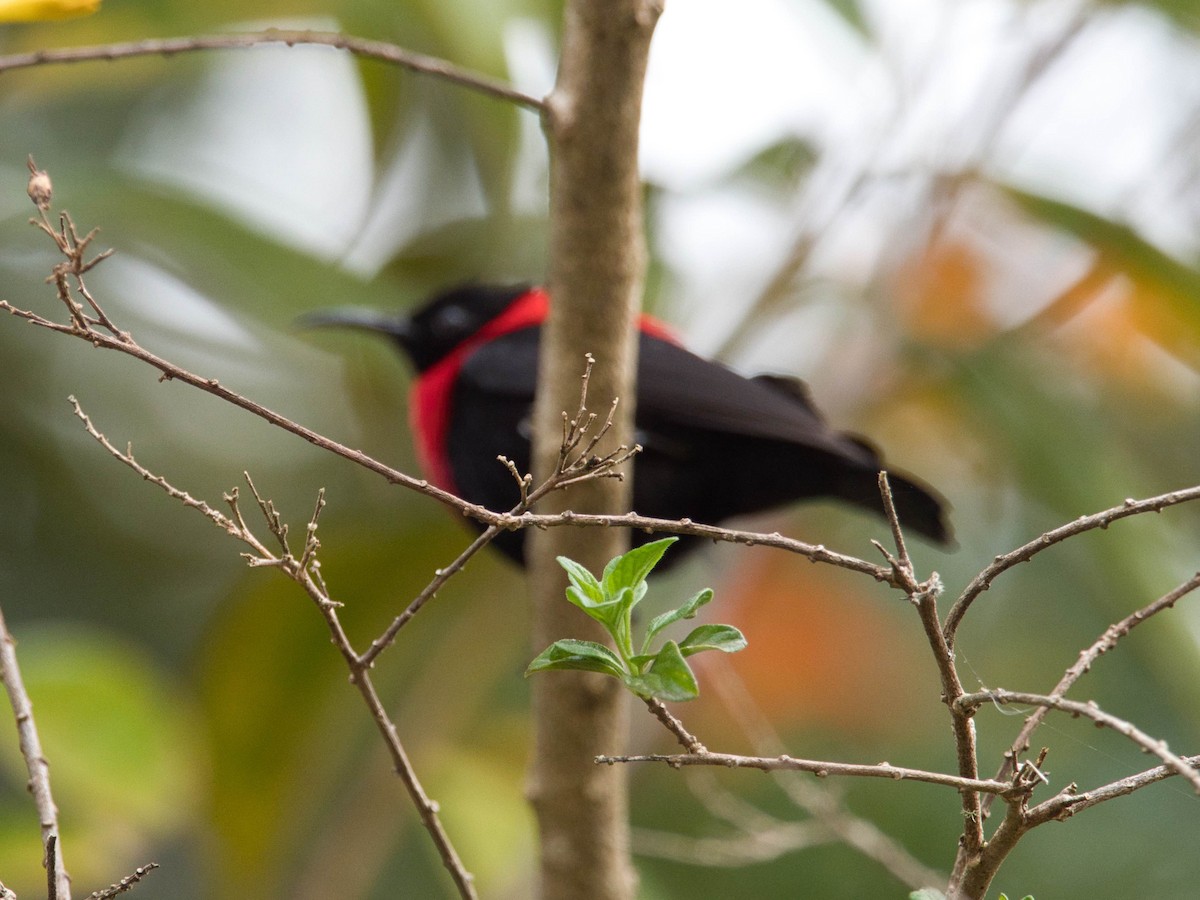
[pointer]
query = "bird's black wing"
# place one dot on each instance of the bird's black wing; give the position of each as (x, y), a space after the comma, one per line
(759, 442)
(709, 435)
(676, 388)
(679, 388)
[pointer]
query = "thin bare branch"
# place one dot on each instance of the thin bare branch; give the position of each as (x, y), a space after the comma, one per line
(1070, 800)
(309, 579)
(430, 590)
(368, 49)
(1083, 664)
(1089, 710)
(172, 372)
(1003, 563)
(961, 722)
(216, 517)
(125, 884)
(687, 740)
(820, 768)
(817, 553)
(924, 597)
(901, 560)
(35, 762)
(818, 800)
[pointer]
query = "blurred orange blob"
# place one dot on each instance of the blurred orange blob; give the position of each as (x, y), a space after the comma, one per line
(940, 295)
(1129, 331)
(824, 651)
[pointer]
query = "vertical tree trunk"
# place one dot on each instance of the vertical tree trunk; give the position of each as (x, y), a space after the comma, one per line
(597, 264)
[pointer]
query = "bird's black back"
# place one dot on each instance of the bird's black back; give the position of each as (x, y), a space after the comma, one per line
(715, 444)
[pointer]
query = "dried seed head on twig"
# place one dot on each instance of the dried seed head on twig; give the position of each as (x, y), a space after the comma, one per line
(39, 188)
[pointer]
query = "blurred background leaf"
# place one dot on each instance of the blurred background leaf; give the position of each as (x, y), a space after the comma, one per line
(973, 227)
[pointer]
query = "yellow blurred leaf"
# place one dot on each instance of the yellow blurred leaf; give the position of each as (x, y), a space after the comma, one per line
(45, 10)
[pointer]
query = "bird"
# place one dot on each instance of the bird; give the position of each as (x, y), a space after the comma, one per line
(715, 444)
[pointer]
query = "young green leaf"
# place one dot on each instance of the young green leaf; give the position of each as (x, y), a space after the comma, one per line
(686, 611)
(670, 677)
(586, 656)
(630, 569)
(583, 580)
(607, 613)
(725, 638)
(622, 621)
(610, 600)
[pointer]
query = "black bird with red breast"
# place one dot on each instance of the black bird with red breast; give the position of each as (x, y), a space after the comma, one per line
(715, 444)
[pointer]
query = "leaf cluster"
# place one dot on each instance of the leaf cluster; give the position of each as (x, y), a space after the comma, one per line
(661, 674)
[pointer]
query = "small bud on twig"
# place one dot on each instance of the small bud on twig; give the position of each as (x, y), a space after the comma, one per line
(39, 188)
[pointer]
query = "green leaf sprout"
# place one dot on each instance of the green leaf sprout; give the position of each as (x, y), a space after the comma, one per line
(661, 674)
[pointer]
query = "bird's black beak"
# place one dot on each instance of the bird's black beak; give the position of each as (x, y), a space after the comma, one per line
(397, 326)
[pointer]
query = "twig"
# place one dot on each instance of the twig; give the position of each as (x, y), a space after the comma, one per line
(1070, 801)
(377, 50)
(1003, 563)
(902, 560)
(688, 740)
(1089, 710)
(961, 722)
(903, 575)
(52, 861)
(817, 799)
(924, 597)
(977, 862)
(1102, 645)
(820, 768)
(125, 884)
(973, 874)
(442, 575)
(574, 466)
(309, 579)
(170, 372)
(817, 553)
(35, 761)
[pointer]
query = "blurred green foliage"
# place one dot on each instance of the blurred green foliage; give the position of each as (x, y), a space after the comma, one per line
(1031, 352)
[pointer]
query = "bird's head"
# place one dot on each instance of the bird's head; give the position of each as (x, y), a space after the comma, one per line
(442, 323)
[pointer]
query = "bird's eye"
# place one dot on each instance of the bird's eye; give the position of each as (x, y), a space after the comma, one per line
(451, 321)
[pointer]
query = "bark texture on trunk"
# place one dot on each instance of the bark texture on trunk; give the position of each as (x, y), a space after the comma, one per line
(597, 265)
